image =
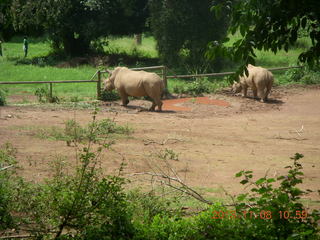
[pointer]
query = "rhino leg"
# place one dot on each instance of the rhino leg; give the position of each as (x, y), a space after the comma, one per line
(244, 91)
(153, 106)
(262, 95)
(160, 106)
(124, 98)
(255, 93)
(156, 101)
(268, 91)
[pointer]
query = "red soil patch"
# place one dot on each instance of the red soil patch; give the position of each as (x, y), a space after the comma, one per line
(172, 103)
(206, 100)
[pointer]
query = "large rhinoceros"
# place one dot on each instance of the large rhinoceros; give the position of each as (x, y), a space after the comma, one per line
(260, 80)
(136, 84)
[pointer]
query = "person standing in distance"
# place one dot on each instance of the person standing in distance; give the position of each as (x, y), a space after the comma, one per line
(25, 46)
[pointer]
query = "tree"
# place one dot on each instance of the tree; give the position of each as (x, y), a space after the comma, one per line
(182, 29)
(269, 25)
(74, 24)
(6, 29)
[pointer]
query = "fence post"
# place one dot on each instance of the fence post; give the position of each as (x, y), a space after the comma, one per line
(164, 76)
(50, 91)
(99, 86)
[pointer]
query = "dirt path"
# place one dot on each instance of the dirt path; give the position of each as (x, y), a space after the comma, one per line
(213, 142)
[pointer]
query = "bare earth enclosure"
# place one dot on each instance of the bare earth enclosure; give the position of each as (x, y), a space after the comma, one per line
(213, 137)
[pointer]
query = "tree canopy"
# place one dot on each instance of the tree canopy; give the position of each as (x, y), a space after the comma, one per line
(269, 25)
(74, 24)
(6, 29)
(182, 29)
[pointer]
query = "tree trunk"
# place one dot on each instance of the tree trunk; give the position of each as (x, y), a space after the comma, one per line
(138, 39)
(75, 46)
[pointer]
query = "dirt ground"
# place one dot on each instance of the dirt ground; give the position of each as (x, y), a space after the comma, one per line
(212, 141)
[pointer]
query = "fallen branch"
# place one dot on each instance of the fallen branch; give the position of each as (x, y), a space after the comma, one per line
(150, 141)
(183, 188)
(4, 168)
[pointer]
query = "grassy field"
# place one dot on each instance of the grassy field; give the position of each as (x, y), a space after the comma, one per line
(15, 68)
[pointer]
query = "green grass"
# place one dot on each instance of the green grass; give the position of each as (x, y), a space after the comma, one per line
(11, 71)
(100, 130)
(268, 59)
(127, 45)
(13, 67)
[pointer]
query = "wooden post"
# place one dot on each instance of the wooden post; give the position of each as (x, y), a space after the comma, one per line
(50, 91)
(164, 76)
(99, 86)
(138, 39)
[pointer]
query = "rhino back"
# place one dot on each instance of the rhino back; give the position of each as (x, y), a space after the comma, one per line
(258, 76)
(138, 83)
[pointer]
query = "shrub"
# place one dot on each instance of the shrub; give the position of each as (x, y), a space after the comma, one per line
(44, 96)
(301, 75)
(277, 212)
(109, 96)
(195, 88)
(3, 94)
(92, 205)
(89, 203)
(263, 213)
(146, 205)
(7, 160)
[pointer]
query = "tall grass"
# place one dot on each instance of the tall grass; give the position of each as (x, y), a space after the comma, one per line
(127, 45)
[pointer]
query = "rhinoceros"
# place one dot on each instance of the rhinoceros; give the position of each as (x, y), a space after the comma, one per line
(136, 84)
(260, 80)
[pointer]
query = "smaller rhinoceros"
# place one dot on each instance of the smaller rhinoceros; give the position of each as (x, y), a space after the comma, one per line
(136, 84)
(260, 80)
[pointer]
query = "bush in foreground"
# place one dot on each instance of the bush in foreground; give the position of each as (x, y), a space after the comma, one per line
(86, 204)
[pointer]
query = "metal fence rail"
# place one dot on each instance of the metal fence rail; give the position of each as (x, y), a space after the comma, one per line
(163, 74)
(224, 73)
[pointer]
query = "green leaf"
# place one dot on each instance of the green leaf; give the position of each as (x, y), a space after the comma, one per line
(304, 22)
(241, 197)
(244, 181)
(242, 30)
(260, 181)
(271, 180)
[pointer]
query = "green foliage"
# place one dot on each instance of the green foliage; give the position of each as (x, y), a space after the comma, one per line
(43, 95)
(183, 29)
(300, 75)
(277, 212)
(145, 206)
(84, 204)
(194, 88)
(60, 19)
(266, 216)
(168, 154)
(6, 28)
(91, 204)
(3, 94)
(7, 162)
(109, 95)
(269, 26)
(74, 133)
